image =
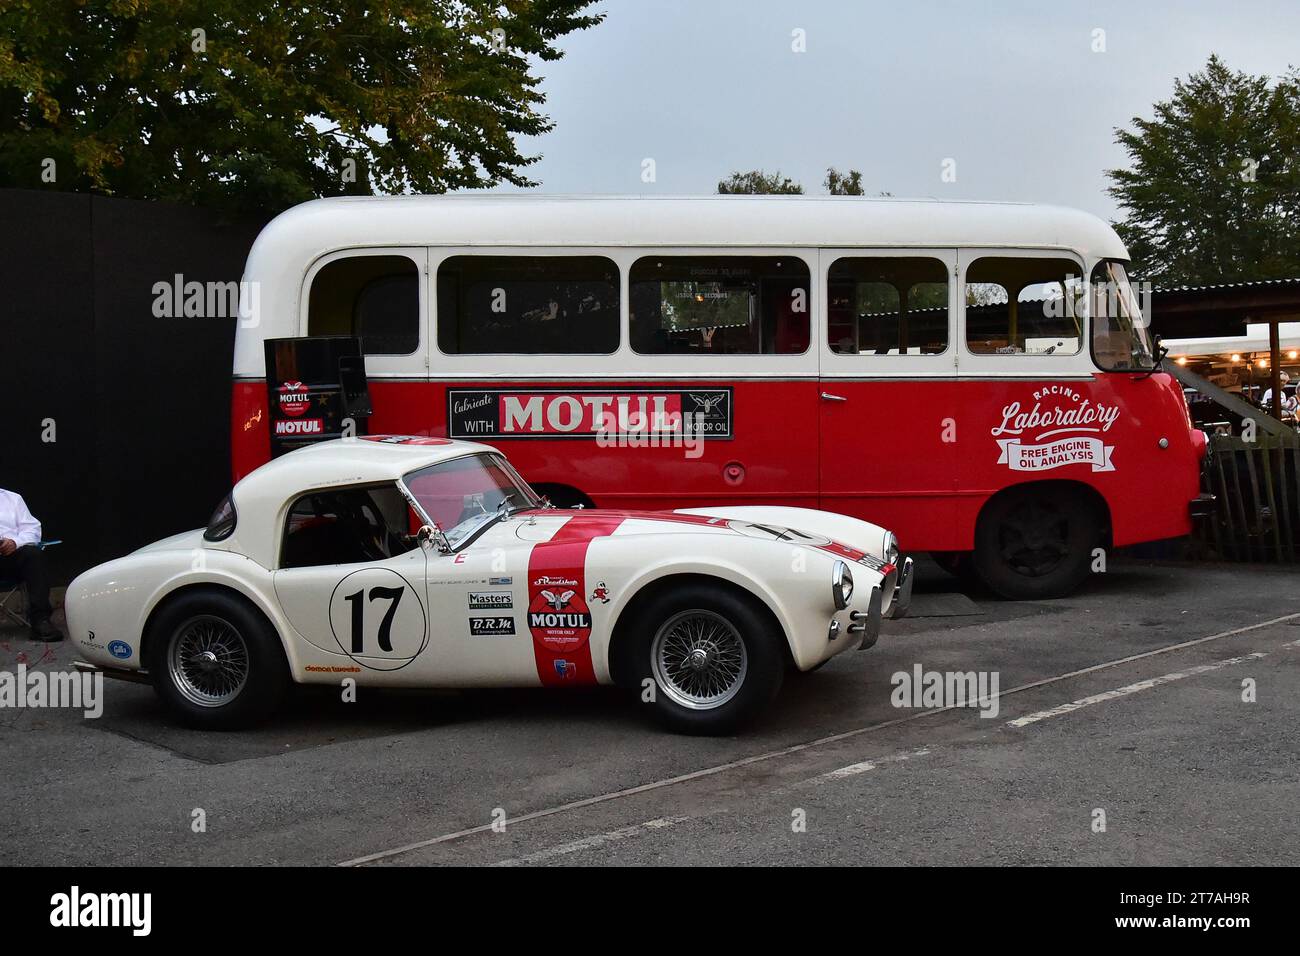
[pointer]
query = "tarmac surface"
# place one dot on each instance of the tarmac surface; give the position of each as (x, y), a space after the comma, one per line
(1124, 733)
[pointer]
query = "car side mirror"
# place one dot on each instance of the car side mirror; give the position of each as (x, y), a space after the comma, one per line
(431, 536)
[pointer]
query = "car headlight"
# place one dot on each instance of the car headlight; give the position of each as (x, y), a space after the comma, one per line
(889, 549)
(841, 585)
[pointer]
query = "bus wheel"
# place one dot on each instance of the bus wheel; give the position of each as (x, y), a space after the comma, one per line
(1035, 543)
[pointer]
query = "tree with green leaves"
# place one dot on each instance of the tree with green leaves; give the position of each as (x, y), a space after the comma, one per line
(1213, 192)
(844, 184)
(256, 105)
(757, 182)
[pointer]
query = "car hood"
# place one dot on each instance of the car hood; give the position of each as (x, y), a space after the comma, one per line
(845, 537)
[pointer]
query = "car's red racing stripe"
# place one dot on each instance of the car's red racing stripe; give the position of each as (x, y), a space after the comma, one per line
(559, 618)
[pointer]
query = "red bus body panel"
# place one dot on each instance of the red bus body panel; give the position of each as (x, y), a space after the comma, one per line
(918, 456)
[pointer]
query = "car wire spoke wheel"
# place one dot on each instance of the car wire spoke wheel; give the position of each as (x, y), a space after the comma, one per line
(208, 661)
(699, 659)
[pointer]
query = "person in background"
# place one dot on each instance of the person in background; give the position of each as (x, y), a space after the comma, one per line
(1288, 401)
(22, 558)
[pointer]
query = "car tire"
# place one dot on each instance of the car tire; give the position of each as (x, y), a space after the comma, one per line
(1035, 543)
(216, 661)
(721, 694)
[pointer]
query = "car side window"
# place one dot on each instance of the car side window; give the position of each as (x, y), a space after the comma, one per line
(346, 526)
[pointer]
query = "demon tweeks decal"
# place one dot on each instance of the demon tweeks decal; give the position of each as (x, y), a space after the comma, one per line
(559, 618)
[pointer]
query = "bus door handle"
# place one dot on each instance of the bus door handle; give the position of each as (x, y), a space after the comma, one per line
(828, 397)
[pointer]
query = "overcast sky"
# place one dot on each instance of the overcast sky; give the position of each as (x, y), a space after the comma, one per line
(1010, 89)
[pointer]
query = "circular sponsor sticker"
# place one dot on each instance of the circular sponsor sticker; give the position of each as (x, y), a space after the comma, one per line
(294, 398)
(378, 619)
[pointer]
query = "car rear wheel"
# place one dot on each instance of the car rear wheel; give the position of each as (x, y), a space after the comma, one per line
(1036, 543)
(216, 661)
(716, 661)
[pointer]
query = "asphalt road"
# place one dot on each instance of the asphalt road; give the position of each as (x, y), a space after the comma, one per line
(1124, 701)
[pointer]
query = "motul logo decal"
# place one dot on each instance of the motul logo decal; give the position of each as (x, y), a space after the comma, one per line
(300, 426)
(589, 413)
(560, 621)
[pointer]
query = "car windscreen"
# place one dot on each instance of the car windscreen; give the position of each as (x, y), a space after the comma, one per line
(459, 494)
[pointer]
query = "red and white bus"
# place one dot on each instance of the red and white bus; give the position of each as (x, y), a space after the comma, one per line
(976, 377)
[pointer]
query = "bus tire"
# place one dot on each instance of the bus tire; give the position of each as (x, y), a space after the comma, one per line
(1034, 543)
(749, 658)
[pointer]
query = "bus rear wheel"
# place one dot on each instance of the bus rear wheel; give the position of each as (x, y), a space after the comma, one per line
(1035, 543)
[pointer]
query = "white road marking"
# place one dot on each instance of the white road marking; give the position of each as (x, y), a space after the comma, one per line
(592, 842)
(853, 769)
(1128, 689)
(797, 748)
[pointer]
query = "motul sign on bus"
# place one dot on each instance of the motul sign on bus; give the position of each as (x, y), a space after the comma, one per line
(588, 413)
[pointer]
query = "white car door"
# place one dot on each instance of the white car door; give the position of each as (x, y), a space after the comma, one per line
(478, 604)
(353, 585)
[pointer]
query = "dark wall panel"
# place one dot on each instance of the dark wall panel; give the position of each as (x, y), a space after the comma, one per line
(140, 402)
(47, 352)
(163, 383)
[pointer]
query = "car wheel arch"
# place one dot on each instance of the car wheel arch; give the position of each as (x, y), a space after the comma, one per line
(199, 587)
(618, 655)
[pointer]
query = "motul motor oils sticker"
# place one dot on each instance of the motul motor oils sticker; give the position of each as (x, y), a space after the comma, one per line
(559, 617)
(1062, 427)
(476, 414)
(557, 613)
(295, 398)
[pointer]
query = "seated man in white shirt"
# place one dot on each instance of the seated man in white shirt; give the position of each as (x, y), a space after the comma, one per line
(21, 558)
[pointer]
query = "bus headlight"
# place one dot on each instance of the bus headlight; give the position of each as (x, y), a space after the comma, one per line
(841, 585)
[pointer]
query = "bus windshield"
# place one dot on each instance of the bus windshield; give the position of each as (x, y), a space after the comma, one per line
(1121, 339)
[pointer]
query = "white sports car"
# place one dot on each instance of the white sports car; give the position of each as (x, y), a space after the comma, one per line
(423, 562)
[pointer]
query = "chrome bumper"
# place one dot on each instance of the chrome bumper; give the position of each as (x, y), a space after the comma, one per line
(902, 592)
(867, 623)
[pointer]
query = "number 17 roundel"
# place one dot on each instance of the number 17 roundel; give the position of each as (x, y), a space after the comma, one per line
(378, 619)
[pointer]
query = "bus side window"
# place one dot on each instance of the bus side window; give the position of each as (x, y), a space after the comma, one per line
(883, 305)
(374, 297)
(528, 305)
(719, 305)
(1024, 306)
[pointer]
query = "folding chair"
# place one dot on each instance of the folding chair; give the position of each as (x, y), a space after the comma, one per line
(10, 586)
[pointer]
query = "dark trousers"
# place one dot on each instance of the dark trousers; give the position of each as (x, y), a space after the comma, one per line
(29, 566)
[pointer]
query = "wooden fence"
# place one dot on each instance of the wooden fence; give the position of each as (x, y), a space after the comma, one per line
(1257, 511)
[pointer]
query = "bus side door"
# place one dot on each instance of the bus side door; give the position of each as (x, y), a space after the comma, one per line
(888, 421)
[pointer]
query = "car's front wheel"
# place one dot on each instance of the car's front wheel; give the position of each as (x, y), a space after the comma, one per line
(714, 659)
(216, 661)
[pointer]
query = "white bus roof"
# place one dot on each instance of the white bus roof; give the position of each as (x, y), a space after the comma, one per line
(301, 234)
(289, 244)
